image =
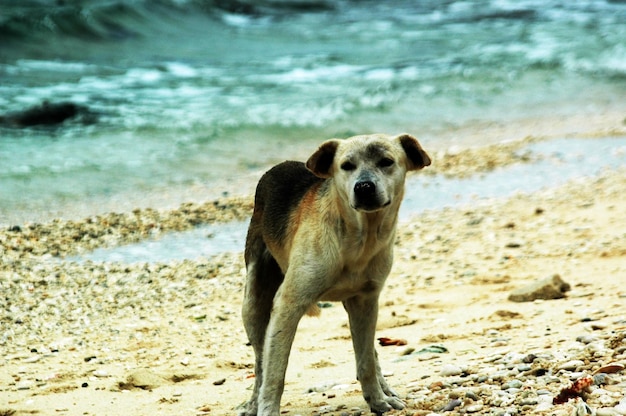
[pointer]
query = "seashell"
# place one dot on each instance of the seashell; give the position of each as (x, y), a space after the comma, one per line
(610, 368)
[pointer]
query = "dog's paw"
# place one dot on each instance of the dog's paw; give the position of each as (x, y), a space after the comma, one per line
(247, 409)
(387, 404)
(386, 389)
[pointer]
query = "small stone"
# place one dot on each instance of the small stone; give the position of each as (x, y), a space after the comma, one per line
(513, 384)
(571, 365)
(621, 407)
(450, 370)
(473, 408)
(599, 379)
(25, 385)
(597, 326)
(144, 379)
(549, 288)
(32, 359)
(471, 395)
(407, 351)
(586, 339)
(606, 411)
(219, 382)
(582, 409)
(101, 373)
(529, 359)
(452, 404)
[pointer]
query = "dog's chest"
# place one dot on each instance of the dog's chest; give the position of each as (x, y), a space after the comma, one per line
(349, 283)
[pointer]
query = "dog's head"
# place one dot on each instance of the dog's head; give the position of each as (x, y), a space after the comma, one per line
(369, 170)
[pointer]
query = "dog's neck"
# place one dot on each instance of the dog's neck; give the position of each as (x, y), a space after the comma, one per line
(369, 227)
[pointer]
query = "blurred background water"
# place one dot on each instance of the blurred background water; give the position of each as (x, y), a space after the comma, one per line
(176, 94)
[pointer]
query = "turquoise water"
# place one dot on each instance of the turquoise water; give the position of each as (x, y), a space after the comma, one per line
(182, 93)
(560, 161)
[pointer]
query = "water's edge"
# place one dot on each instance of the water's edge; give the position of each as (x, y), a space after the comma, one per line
(558, 161)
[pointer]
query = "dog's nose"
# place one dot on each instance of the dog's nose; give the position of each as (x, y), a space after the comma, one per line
(364, 189)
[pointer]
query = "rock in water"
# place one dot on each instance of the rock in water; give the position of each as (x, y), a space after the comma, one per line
(549, 288)
(47, 114)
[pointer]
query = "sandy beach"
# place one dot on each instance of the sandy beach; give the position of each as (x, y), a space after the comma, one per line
(166, 338)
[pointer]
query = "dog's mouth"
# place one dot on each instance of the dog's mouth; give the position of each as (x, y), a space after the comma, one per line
(370, 206)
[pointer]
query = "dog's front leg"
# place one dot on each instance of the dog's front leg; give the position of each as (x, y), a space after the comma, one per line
(363, 314)
(288, 309)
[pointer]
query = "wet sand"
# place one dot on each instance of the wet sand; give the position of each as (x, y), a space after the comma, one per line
(145, 339)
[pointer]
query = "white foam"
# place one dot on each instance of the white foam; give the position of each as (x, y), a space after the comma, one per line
(181, 70)
(306, 75)
(141, 75)
(56, 66)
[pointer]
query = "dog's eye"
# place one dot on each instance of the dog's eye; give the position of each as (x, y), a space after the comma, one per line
(348, 166)
(385, 162)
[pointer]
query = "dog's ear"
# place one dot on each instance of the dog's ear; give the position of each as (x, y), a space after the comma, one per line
(416, 156)
(321, 161)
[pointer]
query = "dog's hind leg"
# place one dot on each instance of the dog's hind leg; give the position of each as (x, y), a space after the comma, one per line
(263, 279)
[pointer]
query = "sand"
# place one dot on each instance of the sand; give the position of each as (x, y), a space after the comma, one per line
(167, 339)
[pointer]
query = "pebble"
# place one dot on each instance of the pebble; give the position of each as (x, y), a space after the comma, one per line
(621, 407)
(586, 339)
(452, 404)
(606, 411)
(473, 408)
(25, 385)
(450, 370)
(582, 409)
(471, 395)
(144, 379)
(549, 288)
(571, 365)
(513, 384)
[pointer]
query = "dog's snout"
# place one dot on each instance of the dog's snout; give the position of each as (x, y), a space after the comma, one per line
(364, 189)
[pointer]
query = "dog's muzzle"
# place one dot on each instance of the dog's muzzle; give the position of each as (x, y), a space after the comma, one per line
(366, 196)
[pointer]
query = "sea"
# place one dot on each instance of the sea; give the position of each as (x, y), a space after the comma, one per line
(191, 99)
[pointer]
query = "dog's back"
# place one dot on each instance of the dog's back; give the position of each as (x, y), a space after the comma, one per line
(278, 195)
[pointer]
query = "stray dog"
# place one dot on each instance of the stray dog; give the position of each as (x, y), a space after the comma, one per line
(324, 230)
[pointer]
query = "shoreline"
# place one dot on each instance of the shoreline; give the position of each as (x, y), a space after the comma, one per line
(62, 238)
(452, 142)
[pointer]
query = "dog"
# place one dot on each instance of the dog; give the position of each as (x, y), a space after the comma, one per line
(324, 231)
